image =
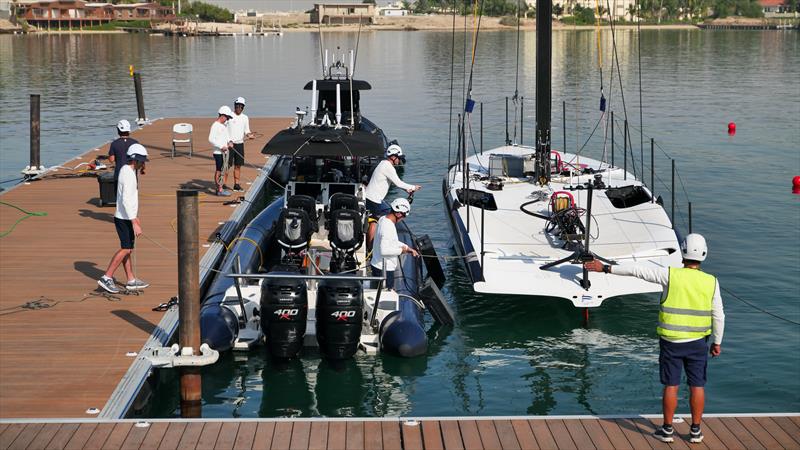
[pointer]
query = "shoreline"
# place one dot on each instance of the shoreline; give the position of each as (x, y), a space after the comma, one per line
(557, 27)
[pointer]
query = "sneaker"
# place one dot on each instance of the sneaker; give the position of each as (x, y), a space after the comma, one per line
(238, 188)
(225, 187)
(695, 435)
(108, 284)
(136, 284)
(664, 434)
(223, 193)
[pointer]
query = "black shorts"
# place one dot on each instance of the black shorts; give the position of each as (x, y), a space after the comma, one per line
(125, 232)
(675, 358)
(238, 154)
(219, 159)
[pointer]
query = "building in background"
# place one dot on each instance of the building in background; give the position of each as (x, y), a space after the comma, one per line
(395, 9)
(343, 13)
(78, 13)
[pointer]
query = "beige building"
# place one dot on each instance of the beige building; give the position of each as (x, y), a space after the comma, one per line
(343, 13)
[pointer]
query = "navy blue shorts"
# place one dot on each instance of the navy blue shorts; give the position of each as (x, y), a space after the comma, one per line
(378, 209)
(389, 276)
(218, 160)
(691, 357)
(125, 233)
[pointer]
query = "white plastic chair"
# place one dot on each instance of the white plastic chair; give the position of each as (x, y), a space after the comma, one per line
(182, 136)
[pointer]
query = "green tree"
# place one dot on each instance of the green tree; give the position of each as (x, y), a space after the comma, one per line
(207, 12)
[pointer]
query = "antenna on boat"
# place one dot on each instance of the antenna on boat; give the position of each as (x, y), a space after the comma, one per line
(323, 61)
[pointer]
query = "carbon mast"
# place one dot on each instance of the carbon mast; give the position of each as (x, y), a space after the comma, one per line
(544, 53)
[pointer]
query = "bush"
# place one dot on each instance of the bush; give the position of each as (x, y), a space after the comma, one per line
(207, 12)
(509, 21)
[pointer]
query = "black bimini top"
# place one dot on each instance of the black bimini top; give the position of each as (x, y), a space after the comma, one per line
(330, 85)
(326, 142)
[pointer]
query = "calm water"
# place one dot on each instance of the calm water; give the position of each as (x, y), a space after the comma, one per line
(506, 355)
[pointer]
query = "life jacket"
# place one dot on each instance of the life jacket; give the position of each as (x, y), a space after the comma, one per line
(686, 310)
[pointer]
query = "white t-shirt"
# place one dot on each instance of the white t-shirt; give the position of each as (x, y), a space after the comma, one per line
(378, 185)
(219, 137)
(661, 276)
(127, 194)
(386, 245)
(238, 127)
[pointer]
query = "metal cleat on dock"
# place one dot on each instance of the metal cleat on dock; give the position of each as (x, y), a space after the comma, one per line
(169, 357)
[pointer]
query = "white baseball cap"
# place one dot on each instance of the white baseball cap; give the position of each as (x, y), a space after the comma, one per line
(137, 152)
(401, 205)
(123, 126)
(239, 100)
(224, 110)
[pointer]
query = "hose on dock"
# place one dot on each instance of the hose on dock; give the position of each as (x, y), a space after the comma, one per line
(27, 214)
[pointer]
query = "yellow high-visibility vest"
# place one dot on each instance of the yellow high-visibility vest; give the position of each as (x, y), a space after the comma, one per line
(686, 310)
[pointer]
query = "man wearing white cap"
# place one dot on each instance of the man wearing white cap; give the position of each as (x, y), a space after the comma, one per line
(126, 220)
(117, 152)
(220, 138)
(239, 128)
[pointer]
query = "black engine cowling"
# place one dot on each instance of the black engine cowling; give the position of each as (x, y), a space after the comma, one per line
(339, 312)
(284, 310)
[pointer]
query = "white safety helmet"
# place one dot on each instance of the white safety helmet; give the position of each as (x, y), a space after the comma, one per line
(694, 247)
(123, 126)
(137, 152)
(394, 150)
(225, 110)
(401, 205)
(239, 101)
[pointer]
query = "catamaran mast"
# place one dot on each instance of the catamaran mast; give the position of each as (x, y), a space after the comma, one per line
(544, 32)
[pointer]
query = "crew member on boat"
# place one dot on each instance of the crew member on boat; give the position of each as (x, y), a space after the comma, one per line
(384, 174)
(690, 312)
(378, 186)
(387, 245)
(239, 128)
(219, 137)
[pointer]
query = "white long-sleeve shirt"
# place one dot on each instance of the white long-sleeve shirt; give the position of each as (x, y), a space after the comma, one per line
(661, 276)
(219, 137)
(386, 245)
(378, 185)
(127, 194)
(238, 127)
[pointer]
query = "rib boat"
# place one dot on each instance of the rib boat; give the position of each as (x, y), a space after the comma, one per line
(296, 277)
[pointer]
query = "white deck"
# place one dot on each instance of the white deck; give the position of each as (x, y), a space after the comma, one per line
(516, 244)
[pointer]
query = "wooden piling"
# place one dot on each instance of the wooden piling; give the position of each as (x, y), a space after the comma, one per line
(189, 297)
(35, 156)
(137, 84)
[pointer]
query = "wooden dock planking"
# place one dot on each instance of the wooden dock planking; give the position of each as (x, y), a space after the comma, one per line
(57, 362)
(724, 432)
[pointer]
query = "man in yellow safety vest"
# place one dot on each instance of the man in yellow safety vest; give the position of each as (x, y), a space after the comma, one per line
(690, 311)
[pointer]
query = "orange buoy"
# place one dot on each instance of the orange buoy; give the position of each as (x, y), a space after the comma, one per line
(796, 185)
(731, 128)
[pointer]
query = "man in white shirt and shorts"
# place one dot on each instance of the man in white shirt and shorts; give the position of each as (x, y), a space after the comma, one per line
(219, 137)
(126, 220)
(239, 128)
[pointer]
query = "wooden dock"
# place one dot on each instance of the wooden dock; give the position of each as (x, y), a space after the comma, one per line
(63, 343)
(521, 433)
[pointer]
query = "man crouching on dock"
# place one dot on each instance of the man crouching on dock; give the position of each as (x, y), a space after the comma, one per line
(126, 219)
(690, 311)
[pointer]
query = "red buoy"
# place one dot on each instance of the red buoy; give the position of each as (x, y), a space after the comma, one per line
(731, 128)
(796, 185)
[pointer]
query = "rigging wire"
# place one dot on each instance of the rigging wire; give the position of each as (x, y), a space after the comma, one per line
(515, 99)
(727, 291)
(639, 55)
(452, 79)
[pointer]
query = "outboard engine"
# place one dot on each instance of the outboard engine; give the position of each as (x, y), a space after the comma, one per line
(339, 313)
(284, 310)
